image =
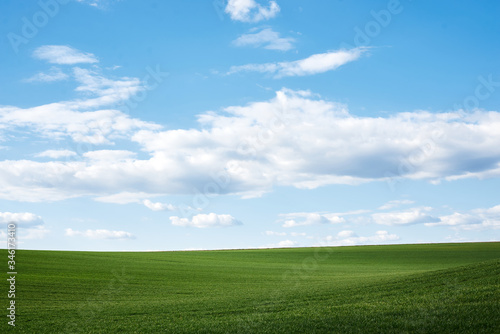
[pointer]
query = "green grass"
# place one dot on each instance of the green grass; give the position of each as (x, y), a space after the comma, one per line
(438, 288)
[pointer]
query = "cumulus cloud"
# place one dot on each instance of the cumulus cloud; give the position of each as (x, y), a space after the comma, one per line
(250, 10)
(294, 139)
(157, 206)
(63, 55)
(350, 238)
(409, 217)
(310, 218)
(55, 154)
(22, 219)
(99, 234)
(266, 38)
(206, 220)
(317, 63)
(54, 74)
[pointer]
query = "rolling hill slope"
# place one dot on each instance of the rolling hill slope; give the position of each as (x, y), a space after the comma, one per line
(434, 288)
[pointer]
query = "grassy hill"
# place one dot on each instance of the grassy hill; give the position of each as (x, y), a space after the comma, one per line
(437, 288)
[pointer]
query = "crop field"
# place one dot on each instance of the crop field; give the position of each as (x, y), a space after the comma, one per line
(432, 288)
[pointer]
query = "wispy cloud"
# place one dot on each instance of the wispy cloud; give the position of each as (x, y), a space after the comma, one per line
(317, 63)
(99, 234)
(54, 74)
(72, 118)
(206, 220)
(266, 38)
(250, 10)
(63, 55)
(395, 204)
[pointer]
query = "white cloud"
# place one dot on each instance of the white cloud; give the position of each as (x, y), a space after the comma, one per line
(250, 10)
(310, 218)
(395, 204)
(22, 219)
(72, 118)
(63, 55)
(478, 219)
(55, 154)
(317, 63)
(295, 139)
(54, 74)
(349, 238)
(57, 121)
(99, 234)
(206, 220)
(157, 206)
(409, 217)
(266, 38)
(104, 91)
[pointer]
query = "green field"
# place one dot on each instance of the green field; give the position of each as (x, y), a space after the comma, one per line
(437, 288)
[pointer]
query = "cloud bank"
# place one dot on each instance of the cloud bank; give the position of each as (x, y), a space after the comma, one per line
(294, 139)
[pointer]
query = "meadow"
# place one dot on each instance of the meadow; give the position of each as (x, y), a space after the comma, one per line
(431, 288)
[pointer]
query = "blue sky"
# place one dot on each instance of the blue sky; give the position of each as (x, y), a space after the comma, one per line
(171, 125)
